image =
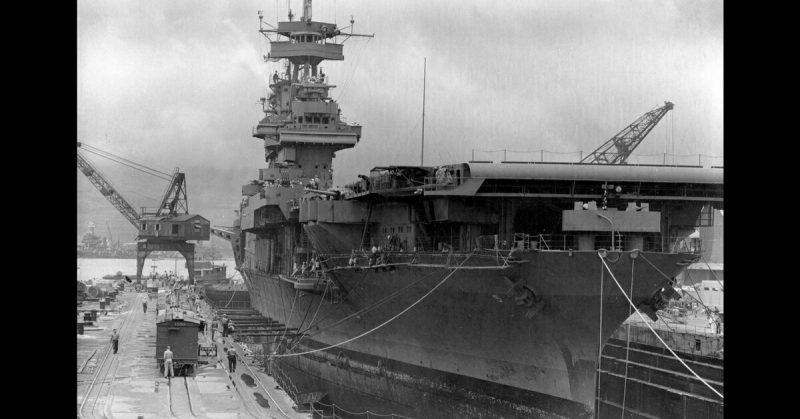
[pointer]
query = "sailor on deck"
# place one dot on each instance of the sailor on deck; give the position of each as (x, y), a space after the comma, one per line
(352, 261)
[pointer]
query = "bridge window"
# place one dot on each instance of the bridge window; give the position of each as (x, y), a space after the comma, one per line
(144, 226)
(174, 229)
(158, 228)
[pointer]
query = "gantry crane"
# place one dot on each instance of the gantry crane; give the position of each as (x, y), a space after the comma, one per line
(166, 228)
(619, 147)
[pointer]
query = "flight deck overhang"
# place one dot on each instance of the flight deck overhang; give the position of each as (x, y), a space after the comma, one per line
(597, 172)
(578, 181)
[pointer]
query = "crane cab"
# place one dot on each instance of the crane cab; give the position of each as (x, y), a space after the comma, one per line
(180, 227)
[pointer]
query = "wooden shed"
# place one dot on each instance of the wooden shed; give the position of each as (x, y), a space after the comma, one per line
(179, 332)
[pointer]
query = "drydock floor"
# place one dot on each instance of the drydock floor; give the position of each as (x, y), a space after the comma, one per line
(128, 384)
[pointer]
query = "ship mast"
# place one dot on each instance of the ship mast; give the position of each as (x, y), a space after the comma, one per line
(302, 127)
(424, 72)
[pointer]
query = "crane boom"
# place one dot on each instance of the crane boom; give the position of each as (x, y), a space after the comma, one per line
(108, 190)
(619, 147)
(175, 198)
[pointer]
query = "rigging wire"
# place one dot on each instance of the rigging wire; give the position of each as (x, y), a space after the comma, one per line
(712, 273)
(453, 271)
(109, 155)
(234, 290)
(670, 279)
(600, 341)
(361, 53)
(301, 333)
(289, 319)
(308, 310)
(168, 179)
(368, 308)
(654, 332)
(627, 344)
(97, 150)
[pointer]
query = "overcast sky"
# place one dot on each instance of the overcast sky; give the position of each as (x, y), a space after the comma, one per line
(176, 83)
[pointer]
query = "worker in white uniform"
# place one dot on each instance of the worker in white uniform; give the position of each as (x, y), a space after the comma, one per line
(168, 363)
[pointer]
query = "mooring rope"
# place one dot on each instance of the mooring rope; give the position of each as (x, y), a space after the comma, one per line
(382, 324)
(712, 273)
(708, 310)
(627, 345)
(301, 332)
(366, 309)
(600, 342)
(653, 330)
(231, 299)
(289, 319)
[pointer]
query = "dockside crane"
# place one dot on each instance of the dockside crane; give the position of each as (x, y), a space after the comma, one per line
(166, 228)
(619, 147)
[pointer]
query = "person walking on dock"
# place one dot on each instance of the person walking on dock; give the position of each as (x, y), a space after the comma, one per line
(144, 306)
(232, 360)
(168, 371)
(224, 325)
(214, 323)
(115, 340)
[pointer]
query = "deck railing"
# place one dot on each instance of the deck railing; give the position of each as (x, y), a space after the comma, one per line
(559, 242)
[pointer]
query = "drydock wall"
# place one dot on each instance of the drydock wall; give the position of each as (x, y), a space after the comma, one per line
(686, 342)
(644, 380)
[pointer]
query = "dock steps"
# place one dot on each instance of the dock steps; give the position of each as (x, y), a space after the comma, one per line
(250, 325)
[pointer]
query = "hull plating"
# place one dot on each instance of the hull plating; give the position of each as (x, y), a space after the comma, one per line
(471, 329)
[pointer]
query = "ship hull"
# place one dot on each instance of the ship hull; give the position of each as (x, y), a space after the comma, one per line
(472, 336)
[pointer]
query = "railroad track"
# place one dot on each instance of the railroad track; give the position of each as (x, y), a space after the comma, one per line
(180, 401)
(106, 370)
(86, 361)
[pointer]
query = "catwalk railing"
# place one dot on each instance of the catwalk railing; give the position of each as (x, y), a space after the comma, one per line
(526, 156)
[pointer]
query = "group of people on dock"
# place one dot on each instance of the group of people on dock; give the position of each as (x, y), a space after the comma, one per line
(224, 324)
(219, 323)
